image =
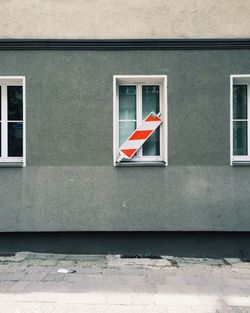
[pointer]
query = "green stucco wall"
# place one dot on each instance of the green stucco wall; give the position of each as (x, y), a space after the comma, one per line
(70, 184)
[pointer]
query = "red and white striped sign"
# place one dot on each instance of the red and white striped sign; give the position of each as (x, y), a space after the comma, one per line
(139, 136)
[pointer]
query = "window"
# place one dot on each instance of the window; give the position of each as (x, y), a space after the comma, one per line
(12, 121)
(240, 117)
(135, 97)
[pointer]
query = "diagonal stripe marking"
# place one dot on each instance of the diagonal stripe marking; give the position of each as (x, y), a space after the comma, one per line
(128, 152)
(152, 118)
(141, 134)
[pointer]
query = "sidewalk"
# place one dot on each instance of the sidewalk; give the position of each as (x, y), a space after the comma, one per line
(30, 282)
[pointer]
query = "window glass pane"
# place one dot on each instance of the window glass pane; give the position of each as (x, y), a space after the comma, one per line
(150, 100)
(240, 101)
(15, 103)
(15, 139)
(240, 138)
(125, 130)
(0, 139)
(152, 145)
(127, 102)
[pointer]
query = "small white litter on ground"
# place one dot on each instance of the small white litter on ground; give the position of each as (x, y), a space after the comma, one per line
(65, 271)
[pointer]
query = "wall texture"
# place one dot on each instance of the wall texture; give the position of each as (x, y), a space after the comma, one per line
(69, 183)
(124, 19)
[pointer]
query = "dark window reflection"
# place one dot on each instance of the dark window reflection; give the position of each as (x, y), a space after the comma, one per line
(15, 139)
(0, 139)
(240, 101)
(240, 138)
(151, 102)
(15, 103)
(152, 145)
(127, 102)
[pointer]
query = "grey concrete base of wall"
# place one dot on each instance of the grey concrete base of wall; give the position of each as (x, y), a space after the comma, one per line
(147, 244)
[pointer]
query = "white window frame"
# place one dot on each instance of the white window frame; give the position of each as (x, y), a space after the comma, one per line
(138, 81)
(5, 160)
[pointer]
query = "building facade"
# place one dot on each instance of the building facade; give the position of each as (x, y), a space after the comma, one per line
(78, 78)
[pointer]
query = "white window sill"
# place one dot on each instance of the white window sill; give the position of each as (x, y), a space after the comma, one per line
(141, 164)
(241, 163)
(11, 163)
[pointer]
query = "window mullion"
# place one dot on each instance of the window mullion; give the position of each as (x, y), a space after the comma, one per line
(139, 111)
(4, 122)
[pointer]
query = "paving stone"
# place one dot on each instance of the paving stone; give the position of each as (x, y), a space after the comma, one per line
(68, 257)
(35, 276)
(245, 265)
(176, 281)
(128, 279)
(244, 310)
(82, 287)
(11, 268)
(88, 270)
(19, 256)
(232, 260)
(210, 290)
(116, 261)
(198, 281)
(176, 299)
(239, 283)
(219, 282)
(13, 276)
(162, 263)
(54, 277)
(142, 262)
(128, 271)
(36, 269)
(66, 263)
(75, 277)
(15, 258)
(215, 262)
(31, 262)
(19, 286)
(243, 273)
(5, 267)
(118, 285)
(122, 287)
(147, 288)
(190, 260)
(167, 289)
(156, 278)
(5, 286)
(167, 257)
(51, 289)
(57, 257)
(48, 262)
